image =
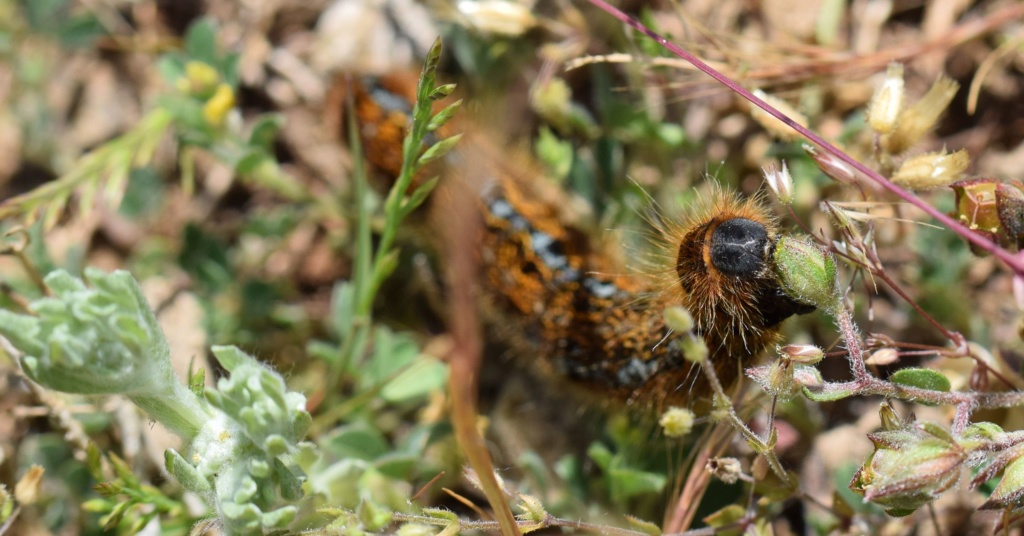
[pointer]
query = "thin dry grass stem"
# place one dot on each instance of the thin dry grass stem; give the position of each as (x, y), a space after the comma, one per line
(698, 479)
(461, 228)
(426, 486)
(1006, 14)
(467, 503)
(999, 55)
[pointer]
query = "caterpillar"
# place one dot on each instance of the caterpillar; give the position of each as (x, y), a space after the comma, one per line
(572, 315)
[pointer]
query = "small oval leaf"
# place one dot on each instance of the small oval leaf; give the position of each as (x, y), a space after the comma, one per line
(922, 379)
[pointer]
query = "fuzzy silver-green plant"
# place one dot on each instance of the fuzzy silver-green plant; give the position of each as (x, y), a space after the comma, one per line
(242, 439)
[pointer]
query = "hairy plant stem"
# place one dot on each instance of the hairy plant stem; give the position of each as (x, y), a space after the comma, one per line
(530, 525)
(727, 412)
(176, 407)
(864, 384)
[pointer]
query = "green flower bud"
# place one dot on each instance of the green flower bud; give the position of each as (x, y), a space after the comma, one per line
(909, 468)
(807, 273)
(678, 319)
(695, 350)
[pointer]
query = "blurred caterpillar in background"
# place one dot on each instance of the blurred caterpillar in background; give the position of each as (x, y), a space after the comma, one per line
(555, 298)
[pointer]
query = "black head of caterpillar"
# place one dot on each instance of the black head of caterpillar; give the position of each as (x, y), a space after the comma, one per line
(722, 268)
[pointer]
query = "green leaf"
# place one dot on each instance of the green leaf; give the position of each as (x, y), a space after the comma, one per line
(418, 197)
(398, 465)
(555, 153)
(441, 92)
(264, 131)
(359, 441)
(827, 396)
(424, 376)
(392, 352)
(201, 41)
(442, 117)
(187, 475)
(250, 161)
(626, 482)
(438, 150)
(343, 305)
(726, 516)
(601, 455)
(1011, 487)
(922, 379)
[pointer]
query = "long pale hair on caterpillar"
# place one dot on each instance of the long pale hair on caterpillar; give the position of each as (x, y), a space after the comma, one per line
(713, 256)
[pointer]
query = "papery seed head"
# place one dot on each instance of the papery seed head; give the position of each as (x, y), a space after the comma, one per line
(887, 103)
(727, 470)
(932, 170)
(921, 116)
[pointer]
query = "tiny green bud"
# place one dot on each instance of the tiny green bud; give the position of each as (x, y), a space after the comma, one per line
(678, 319)
(200, 79)
(695, 350)
(841, 219)
(676, 421)
(887, 103)
(807, 273)
(532, 507)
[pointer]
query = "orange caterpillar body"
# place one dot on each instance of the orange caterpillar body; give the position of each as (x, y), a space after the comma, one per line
(606, 332)
(551, 293)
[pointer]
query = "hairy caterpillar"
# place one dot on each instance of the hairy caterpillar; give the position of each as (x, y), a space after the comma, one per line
(556, 296)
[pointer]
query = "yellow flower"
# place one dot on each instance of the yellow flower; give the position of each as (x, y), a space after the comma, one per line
(217, 107)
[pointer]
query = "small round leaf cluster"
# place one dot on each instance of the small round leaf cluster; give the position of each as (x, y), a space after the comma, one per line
(246, 456)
